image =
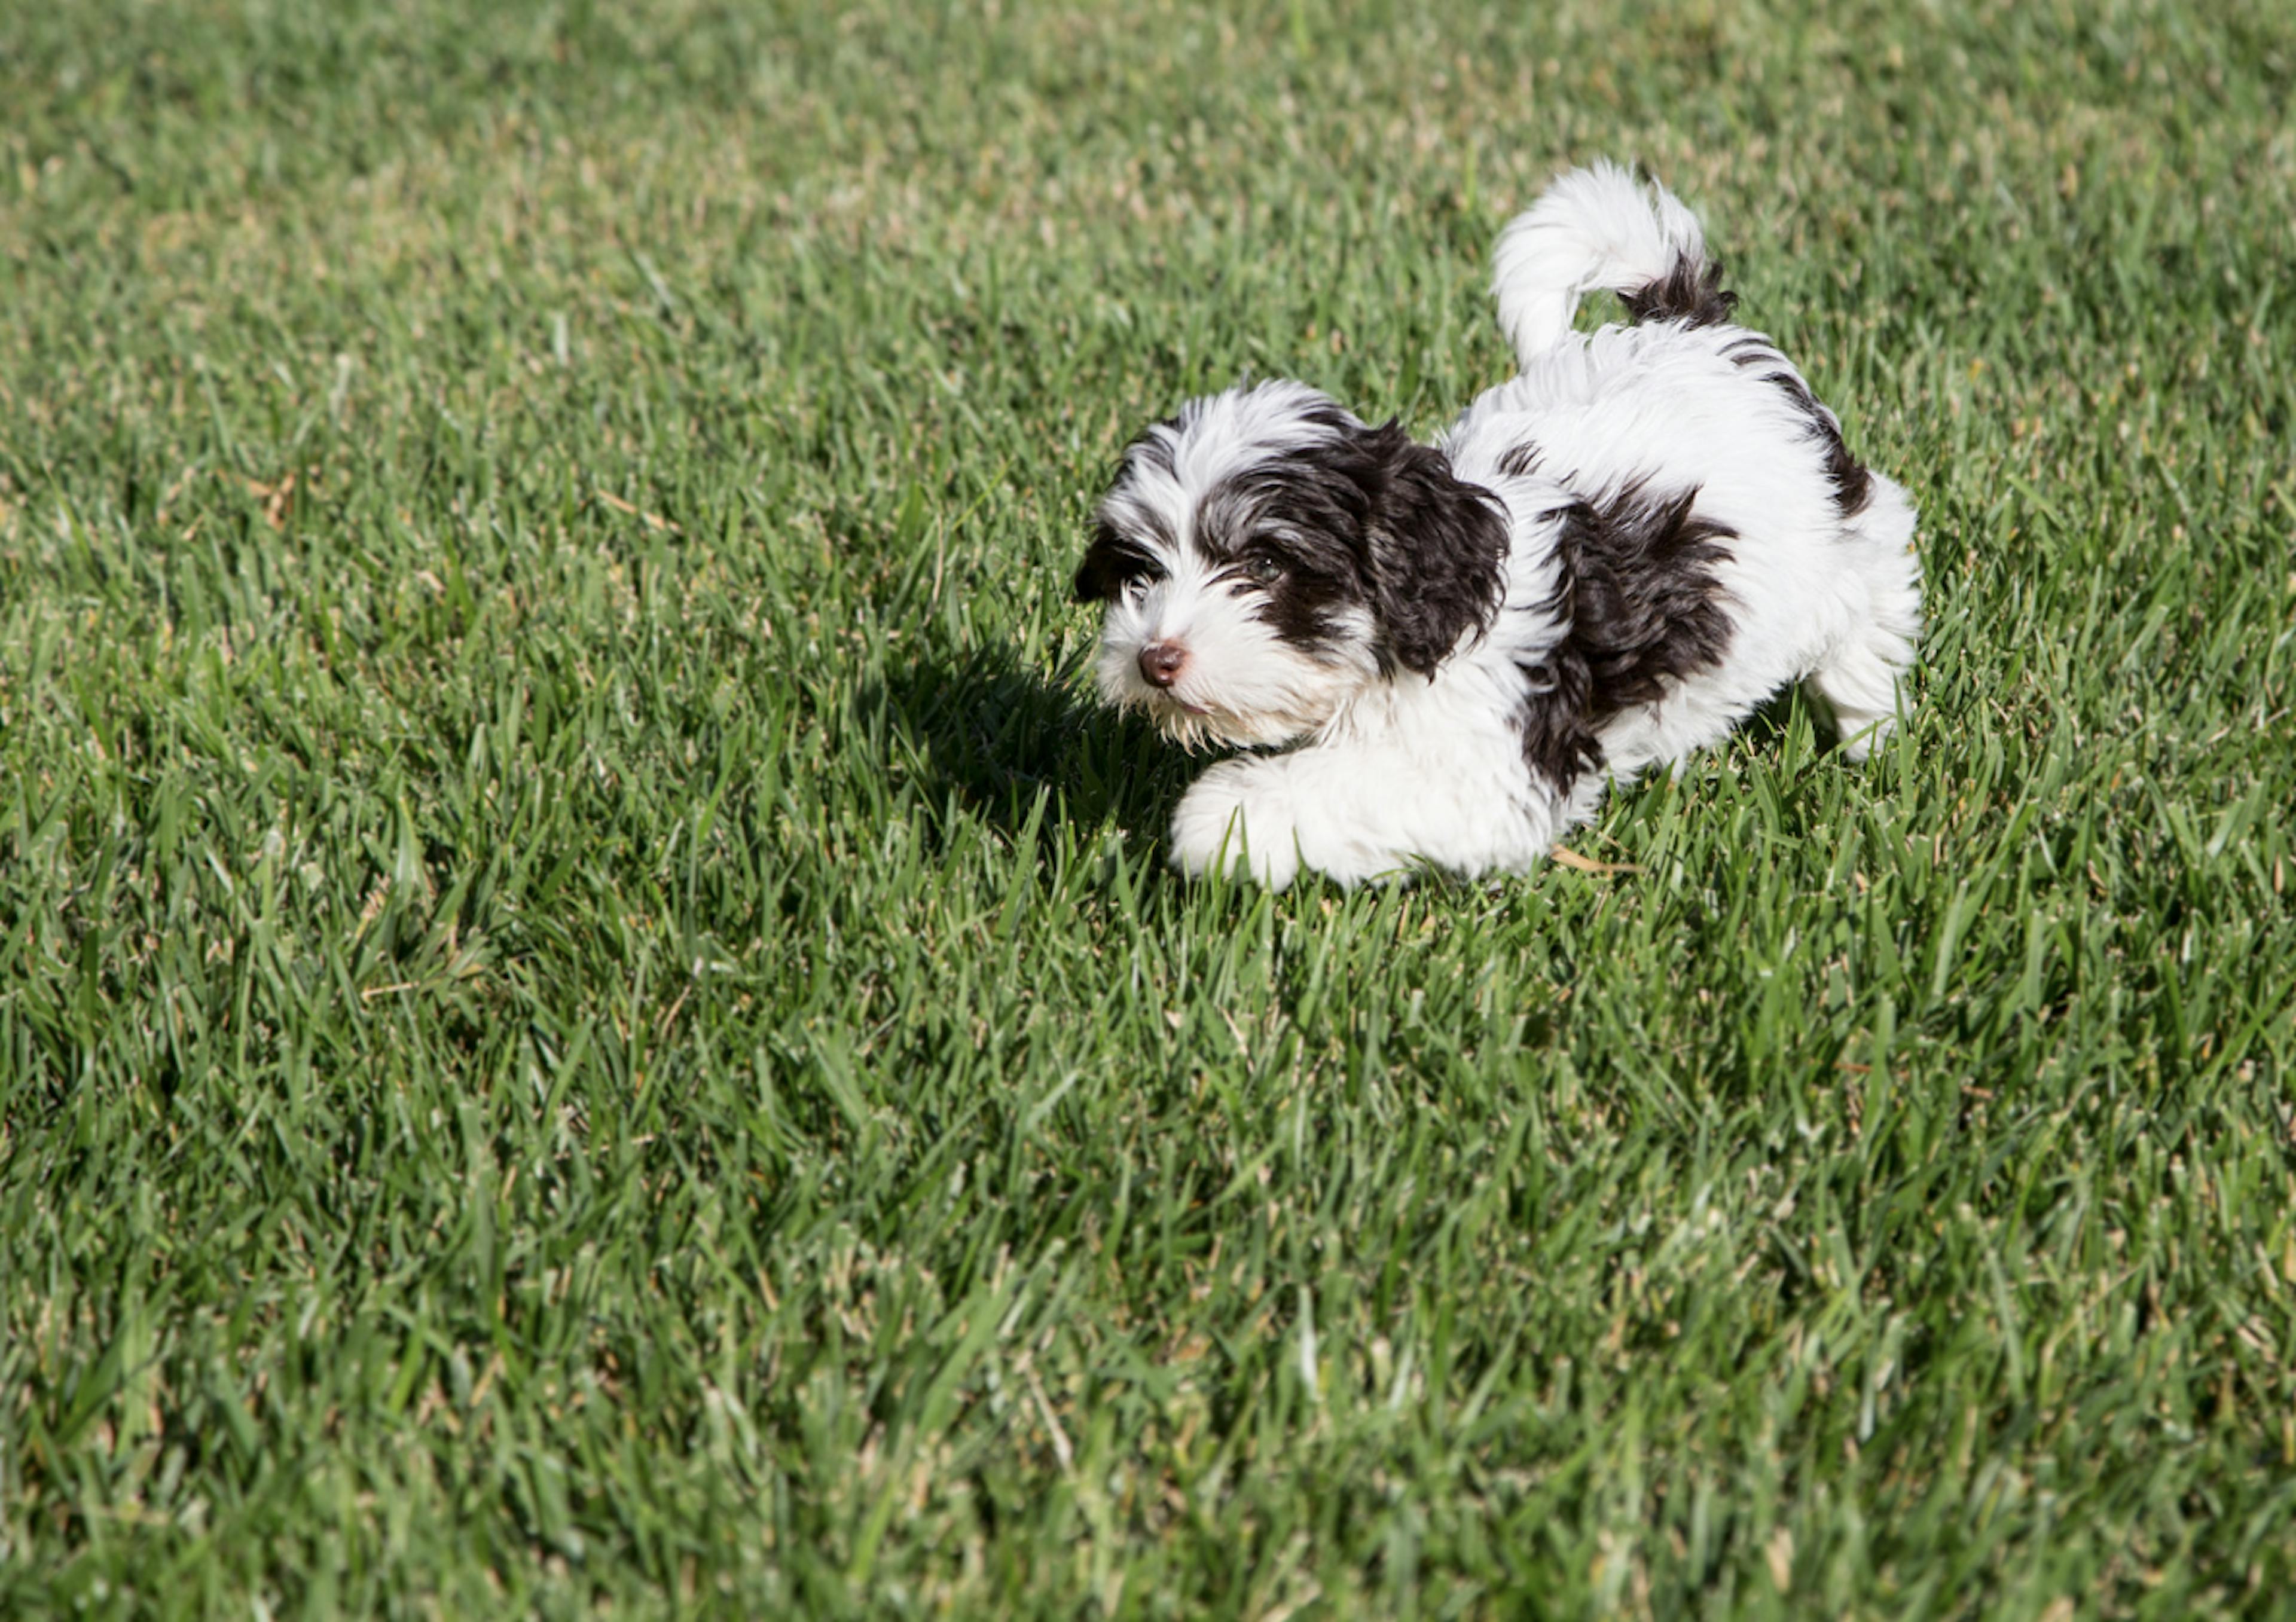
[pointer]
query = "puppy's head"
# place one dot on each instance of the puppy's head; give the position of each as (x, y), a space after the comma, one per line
(1264, 556)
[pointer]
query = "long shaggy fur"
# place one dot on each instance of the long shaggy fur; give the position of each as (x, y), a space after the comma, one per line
(1605, 563)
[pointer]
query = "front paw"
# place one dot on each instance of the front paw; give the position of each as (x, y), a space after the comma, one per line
(1236, 818)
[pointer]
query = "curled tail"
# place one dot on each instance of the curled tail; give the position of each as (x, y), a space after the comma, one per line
(1595, 227)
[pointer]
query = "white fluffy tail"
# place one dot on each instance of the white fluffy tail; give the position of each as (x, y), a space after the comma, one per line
(1594, 228)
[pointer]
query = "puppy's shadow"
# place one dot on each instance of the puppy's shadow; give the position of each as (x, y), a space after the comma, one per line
(981, 732)
(1766, 731)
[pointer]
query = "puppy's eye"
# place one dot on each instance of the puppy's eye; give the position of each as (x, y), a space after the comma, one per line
(1136, 586)
(1263, 569)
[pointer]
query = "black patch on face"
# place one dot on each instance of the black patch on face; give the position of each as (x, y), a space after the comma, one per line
(1114, 560)
(1852, 481)
(1305, 603)
(1367, 519)
(1689, 292)
(1642, 609)
(1111, 563)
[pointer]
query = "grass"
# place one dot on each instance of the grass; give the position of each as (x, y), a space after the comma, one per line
(590, 1017)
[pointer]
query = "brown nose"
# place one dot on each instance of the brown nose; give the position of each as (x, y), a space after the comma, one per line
(1161, 662)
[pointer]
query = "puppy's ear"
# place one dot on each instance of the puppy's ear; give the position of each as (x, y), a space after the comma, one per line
(1437, 547)
(1108, 563)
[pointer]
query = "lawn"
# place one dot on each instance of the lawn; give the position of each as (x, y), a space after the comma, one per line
(592, 1017)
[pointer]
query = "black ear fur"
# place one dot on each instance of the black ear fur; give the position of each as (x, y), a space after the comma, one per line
(1638, 595)
(1109, 563)
(1097, 579)
(1435, 546)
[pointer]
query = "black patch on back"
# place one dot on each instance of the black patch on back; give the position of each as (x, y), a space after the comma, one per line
(1689, 292)
(1643, 609)
(1852, 480)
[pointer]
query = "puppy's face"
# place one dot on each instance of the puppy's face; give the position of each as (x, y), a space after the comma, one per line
(1264, 555)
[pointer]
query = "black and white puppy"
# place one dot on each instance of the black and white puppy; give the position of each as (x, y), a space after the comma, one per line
(1606, 562)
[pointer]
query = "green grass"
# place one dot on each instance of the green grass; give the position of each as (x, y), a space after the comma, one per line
(590, 1016)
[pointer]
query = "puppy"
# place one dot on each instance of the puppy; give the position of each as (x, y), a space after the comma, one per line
(1605, 563)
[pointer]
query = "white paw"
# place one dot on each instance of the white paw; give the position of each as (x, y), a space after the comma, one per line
(1238, 815)
(1861, 737)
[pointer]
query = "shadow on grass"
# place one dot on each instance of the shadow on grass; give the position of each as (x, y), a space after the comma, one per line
(1765, 730)
(978, 731)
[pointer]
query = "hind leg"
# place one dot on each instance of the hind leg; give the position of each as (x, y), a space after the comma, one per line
(1862, 679)
(1861, 684)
